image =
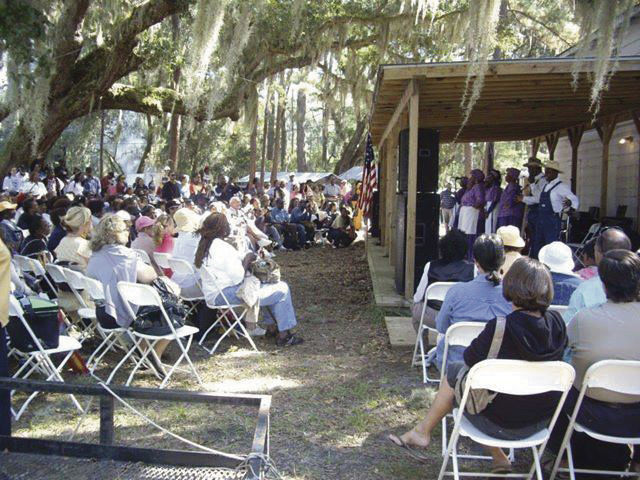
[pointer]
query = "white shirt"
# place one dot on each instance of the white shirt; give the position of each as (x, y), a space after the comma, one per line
(221, 269)
(332, 190)
(289, 186)
(74, 187)
(536, 189)
(184, 248)
(37, 190)
(561, 192)
(12, 183)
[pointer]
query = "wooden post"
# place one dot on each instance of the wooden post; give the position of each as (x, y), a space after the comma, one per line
(106, 419)
(552, 143)
(412, 187)
(392, 181)
(575, 135)
(382, 192)
(605, 128)
(535, 146)
(636, 120)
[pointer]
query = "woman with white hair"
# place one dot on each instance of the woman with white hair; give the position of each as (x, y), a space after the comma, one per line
(74, 247)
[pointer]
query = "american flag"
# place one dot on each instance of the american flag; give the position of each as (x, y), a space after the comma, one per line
(369, 180)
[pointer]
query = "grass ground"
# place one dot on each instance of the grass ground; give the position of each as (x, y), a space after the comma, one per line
(335, 398)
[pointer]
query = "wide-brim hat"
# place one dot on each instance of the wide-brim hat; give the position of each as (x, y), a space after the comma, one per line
(187, 221)
(558, 257)
(5, 205)
(533, 162)
(553, 165)
(510, 236)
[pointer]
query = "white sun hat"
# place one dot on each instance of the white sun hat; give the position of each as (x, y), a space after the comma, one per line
(558, 257)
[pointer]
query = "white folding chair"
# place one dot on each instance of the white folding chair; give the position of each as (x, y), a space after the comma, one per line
(142, 255)
(233, 327)
(182, 267)
(558, 308)
(162, 259)
(77, 285)
(459, 334)
(436, 291)
(41, 359)
(621, 376)
(144, 295)
(512, 377)
(35, 268)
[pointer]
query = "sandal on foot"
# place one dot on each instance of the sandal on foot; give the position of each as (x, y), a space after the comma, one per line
(409, 450)
(289, 341)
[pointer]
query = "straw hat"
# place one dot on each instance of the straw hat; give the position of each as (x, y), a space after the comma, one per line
(187, 220)
(76, 217)
(558, 257)
(510, 236)
(553, 166)
(7, 206)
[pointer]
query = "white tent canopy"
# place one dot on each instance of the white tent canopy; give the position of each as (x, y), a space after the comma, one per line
(301, 177)
(354, 173)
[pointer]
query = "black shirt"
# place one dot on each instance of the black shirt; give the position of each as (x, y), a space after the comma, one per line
(526, 338)
(32, 245)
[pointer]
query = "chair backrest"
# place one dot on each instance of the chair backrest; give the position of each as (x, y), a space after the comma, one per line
(142, 295)
(25, 263)
(181, 267)
(142, 255)
(438, 290)
(95, 289)
(76, 282)
(558, 308)
(162, 259)
(519, 377)
(56, 273)
(621, 376)
(459, 334)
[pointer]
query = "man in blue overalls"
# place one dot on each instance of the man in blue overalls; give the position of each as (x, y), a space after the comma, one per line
(555, 196)
(531, 196)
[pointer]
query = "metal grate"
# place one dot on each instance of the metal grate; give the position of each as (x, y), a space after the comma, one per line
(20, 466)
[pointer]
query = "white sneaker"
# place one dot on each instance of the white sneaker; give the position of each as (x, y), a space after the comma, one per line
(257, 332)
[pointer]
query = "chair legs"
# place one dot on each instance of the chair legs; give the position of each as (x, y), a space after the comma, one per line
(230, 330)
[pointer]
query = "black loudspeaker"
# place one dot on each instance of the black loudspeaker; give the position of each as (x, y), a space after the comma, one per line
(427, 226)
(428, 154)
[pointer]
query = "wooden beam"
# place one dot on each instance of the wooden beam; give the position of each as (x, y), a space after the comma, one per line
(382, 193)
(411, 88)
(412, 190)
(575, 136)
(535, 146)
(552, 143)
(391, 189)
(605, 130)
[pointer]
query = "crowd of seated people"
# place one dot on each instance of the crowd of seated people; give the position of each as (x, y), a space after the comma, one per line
(553, 311)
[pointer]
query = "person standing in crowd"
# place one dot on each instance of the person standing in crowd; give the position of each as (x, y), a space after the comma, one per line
(206, 175)
(554, 197)
(492, 195)
(558, 257)
(531, 195)
(464, 183)
(12, 183)
(511, 209)
(590, 293)
(106, 181)
(447, 204)
(53, 184)
(91, 184)
(5, 291)
(471, 204)
(170, 190)
(332, 190)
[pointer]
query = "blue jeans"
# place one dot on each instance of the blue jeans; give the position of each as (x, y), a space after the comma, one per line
(275, 296)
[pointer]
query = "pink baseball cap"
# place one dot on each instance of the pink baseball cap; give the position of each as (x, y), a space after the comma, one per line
(143, 222)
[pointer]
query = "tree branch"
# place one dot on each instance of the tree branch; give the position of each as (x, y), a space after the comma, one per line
(542, 24)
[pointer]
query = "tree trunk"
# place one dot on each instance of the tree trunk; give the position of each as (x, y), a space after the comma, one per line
(325, 136)
(353, 151)
(283, 139)
(271, 136)
(148, 145)
(278, 136)
(265, 132)
(468, 159)
(253, 150)
(174, 127)
(300, 115)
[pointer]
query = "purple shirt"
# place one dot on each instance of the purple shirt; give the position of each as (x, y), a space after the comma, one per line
(492, 194)
(508, 205)
(473, 197)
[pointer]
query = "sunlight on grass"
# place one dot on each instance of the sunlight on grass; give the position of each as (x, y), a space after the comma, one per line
(251, 385)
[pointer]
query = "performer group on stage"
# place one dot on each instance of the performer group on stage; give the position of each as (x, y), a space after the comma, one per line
(481, 205)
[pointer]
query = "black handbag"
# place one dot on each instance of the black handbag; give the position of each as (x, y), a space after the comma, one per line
(42, 317)
(149, 319)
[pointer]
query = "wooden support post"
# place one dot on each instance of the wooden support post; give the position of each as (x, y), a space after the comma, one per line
(106, 419)
(382, 178)
(575, 135)
(412, 187)
(391, 200)
(605, 128)
(636, 120)
(552, 143)
(535, 146)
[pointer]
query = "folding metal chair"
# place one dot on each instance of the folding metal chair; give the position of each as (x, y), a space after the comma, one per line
(142, 255)
(145, 295)
(436, 291)
(578, 248)
(513, 377)
(461, 335)
(233, 327)
(162, 259)
(77, 285)
(182, 267)
(41, 359)
(558, 308)
(621, 376)
(35, 268)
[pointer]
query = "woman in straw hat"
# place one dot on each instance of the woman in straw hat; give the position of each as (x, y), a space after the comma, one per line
(74, 247)
(554, 197)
